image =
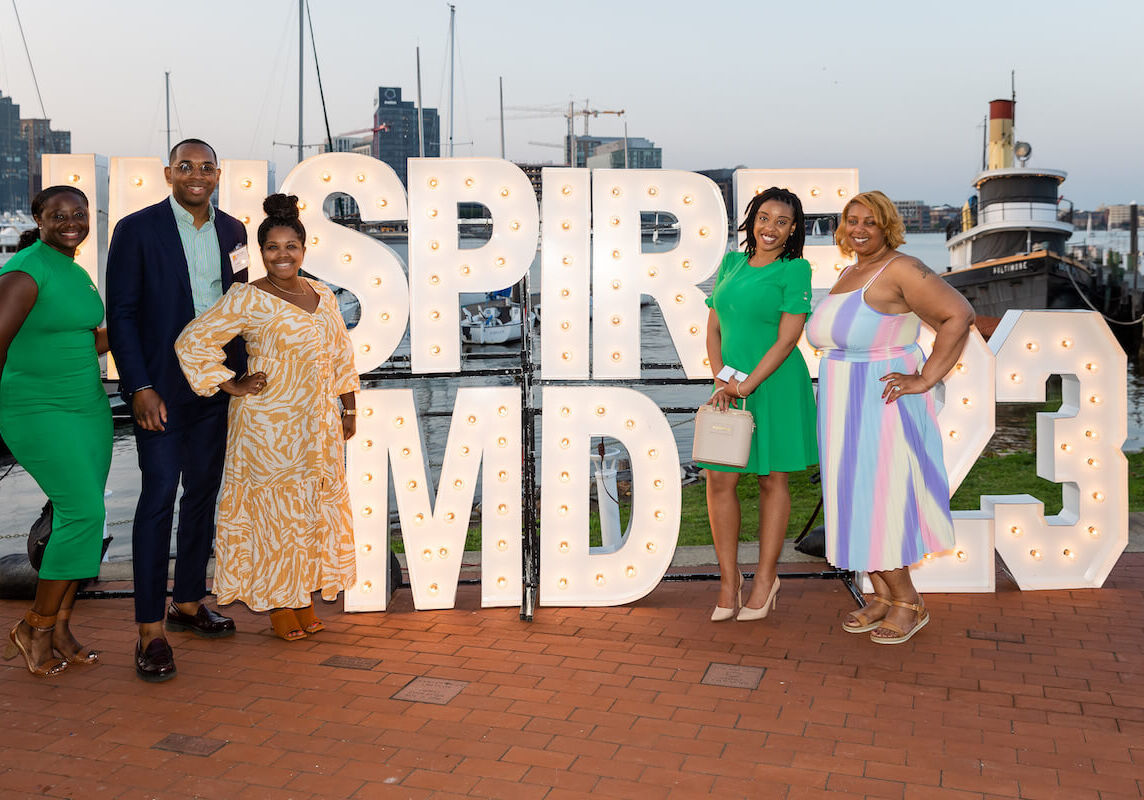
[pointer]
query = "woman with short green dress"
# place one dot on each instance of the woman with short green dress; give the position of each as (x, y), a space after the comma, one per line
(758, 306)
(54, 416)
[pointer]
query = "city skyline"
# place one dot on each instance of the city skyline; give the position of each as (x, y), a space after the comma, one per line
(895, 90)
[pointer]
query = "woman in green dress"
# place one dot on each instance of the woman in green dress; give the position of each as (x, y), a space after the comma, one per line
(54, 416)
(758, 307)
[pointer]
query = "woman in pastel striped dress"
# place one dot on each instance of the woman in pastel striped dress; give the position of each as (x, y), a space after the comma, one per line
(884, 486)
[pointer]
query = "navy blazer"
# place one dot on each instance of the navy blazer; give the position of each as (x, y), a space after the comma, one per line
(149, 301)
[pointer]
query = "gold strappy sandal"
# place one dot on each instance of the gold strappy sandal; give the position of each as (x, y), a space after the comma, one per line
(41, 624)
(83, 656)
(865, 621)
(921, 619)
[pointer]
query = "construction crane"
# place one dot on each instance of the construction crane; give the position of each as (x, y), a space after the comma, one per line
(373, 130)
(382, 127)
(570, 114)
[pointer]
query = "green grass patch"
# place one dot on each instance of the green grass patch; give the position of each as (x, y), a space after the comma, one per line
(694, 528)
(1015, 473)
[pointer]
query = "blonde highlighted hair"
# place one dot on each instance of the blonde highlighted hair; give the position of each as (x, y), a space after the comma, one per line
(885, 215)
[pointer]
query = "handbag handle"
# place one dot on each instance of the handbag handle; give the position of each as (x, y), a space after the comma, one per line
(731, 405)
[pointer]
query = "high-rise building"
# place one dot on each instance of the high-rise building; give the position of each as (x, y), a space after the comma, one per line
(1119, 216)
(608, 152)
(535, 177)
(639, 154)
(349, 143)
(41, 139)
(395, 130)
(13, 159)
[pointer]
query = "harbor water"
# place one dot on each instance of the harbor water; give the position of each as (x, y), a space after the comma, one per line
(21, 499)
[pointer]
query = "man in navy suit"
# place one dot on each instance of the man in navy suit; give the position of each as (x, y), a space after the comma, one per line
(167, 264)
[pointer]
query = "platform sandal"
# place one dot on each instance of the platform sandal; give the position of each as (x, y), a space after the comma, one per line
(41, 624)
(865, 622)
(921, 619)
(309, 622)
(286, 625)
(82, 656)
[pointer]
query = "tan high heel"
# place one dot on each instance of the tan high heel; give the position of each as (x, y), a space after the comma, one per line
(721, 614)
(41, 624)
(309, 622)
(748, 614)
(83, 656)
(286, 625)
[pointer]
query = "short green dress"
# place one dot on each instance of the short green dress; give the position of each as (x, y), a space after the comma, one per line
(54, 414)
(749, 302)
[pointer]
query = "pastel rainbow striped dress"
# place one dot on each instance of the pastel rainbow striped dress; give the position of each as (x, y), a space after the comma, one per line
(884, 487)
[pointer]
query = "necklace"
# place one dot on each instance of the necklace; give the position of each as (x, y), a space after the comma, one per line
(284, 291)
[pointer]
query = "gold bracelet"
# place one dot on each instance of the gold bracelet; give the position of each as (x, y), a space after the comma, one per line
(349, 412)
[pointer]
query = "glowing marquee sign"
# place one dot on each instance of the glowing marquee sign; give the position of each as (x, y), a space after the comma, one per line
(591, 331)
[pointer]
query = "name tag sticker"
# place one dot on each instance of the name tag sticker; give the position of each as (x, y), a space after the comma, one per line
(239, 258)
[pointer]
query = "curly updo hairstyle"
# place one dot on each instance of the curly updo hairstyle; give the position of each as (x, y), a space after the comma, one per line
(30, 237)
(281, 212)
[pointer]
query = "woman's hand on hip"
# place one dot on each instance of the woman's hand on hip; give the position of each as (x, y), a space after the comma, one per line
(349, 427)
(899, 383)
(248, 384)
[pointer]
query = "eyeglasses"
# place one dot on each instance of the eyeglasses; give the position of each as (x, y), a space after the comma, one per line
(206, 169)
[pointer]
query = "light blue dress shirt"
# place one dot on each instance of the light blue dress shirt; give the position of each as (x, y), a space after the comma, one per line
(204, 261)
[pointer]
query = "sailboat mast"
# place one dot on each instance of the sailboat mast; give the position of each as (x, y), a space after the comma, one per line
(452, 16)
(1013, 95)
(167, 86)
(301, 60)
(420, 113)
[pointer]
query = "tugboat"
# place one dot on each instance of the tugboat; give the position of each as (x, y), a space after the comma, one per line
(1008, 249)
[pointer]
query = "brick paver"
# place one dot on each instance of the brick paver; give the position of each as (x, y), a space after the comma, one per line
(1013, 695)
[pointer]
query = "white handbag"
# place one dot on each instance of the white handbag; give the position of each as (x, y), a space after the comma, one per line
(723, 437)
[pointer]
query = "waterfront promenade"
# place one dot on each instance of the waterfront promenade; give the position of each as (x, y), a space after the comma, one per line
(1011, 695)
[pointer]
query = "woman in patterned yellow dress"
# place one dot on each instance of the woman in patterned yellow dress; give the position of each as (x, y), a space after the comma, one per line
(285, 529)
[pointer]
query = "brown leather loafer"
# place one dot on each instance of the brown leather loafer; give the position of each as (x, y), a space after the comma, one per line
(156, 662)
(204, 622)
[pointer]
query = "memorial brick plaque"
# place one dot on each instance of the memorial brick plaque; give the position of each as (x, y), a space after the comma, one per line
(189, 745)
(351, 662)
(734, 676)
(430, 690)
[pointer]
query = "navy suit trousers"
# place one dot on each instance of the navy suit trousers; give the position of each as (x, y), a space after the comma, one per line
(190, 450)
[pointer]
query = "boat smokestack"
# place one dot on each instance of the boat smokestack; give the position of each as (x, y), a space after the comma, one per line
(1000, 154)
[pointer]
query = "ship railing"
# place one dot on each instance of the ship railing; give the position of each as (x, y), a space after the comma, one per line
(1018, 212)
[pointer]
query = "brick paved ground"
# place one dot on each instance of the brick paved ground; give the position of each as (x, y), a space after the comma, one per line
(1014, 695)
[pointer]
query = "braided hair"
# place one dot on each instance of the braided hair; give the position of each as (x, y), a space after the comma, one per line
(796, 240)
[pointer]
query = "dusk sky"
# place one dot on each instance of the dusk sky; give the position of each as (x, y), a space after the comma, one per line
(897, 89)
